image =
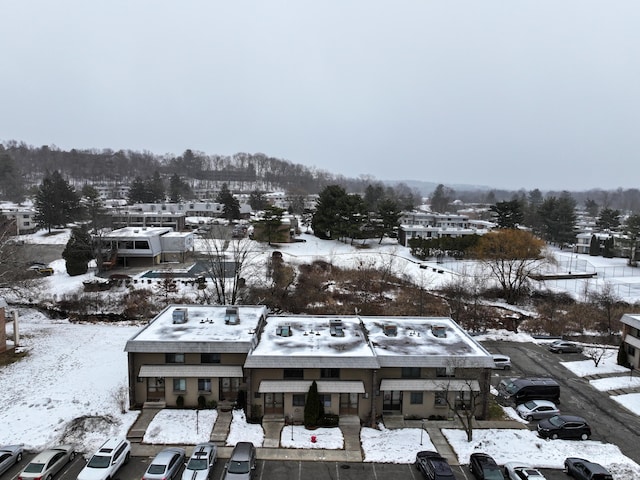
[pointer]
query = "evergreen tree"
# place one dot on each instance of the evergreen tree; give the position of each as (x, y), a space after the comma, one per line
(329, 209)
(389, 215)
(56, 202)
(507, 214)
(93, 207)
(609, 219)
(179, 190)
(137, 191)
(230, 204)
(155, 188)
(78, 251)
(594, 246)
(558, 218)
(270, 225)
(623, 358)
(591, 207)
(257, 200)
(631, 237)
(312, 406)
(607, 251)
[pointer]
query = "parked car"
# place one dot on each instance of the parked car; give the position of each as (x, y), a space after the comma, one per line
(501, 362)
(582, 469)
(166, 464)
(104, 464)
(564, 426)
(47, 463)
(537, 410)
(562, 346)
(433, 466)
(522, 471)
(514, 391)
(484, 467)
(242, 462)
(9, 456)
(201, 462)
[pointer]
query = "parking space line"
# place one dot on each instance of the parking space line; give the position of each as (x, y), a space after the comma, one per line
(337, 472)
(299, 470)
(262, 471)
(411, 471)
(375, 474)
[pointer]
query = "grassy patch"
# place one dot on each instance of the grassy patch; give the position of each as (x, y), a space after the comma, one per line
(10, 356)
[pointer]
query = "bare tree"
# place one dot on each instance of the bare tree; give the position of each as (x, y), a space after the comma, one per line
(597, 353)
(15, 276)
(607, 301)
(120, 395)
(226, 259)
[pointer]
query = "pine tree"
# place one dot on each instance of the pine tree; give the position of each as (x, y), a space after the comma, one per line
(230, 204)
(312, 406)
(329, 209)
(78, 251)
(56, 202)
(594, 246)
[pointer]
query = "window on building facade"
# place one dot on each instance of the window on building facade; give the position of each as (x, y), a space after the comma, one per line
(289, 373)
(298, 399)
(174, 357)
(445, 372)
(416, 398)
(204, 385)
(463, 400)
(440, 399)
(179, 384)
(325, 399)
(209, 358)
(410, 372)
(631, 351)
(329, 373)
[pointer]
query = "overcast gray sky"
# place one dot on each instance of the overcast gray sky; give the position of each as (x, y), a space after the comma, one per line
(510, 94)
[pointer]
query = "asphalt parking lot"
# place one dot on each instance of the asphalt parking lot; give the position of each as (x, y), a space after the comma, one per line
(281, 470)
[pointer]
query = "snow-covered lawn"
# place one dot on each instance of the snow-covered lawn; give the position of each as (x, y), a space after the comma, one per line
(181, 427)
(393, 446)
(585, 368)
(241, 431)
(615, 383)
(296, 436)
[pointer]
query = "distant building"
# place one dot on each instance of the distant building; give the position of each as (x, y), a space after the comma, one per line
(138, 246)
(437, 225)
(18, 220)
(363, 366)
(631, 338)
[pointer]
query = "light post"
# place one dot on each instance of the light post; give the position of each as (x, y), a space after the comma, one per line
(421, 430)
(291, 430)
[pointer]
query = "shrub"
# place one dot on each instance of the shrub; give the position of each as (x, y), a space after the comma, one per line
(202, 402)
(180, 401)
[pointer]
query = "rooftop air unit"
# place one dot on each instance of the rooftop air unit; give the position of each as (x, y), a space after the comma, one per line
(180, 315)
(231, 317)
(284, 330)
(390, 330)
(439, 331)
(335, 328)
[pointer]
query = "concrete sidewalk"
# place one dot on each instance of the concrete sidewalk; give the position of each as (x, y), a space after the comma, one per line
(271, 450)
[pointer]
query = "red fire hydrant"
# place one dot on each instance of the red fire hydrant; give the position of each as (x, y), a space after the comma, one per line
(314, 439)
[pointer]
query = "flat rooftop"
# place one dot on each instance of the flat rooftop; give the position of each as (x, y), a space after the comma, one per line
(204, 324)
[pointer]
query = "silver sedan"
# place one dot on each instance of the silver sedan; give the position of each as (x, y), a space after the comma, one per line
(9, 456)
(47, 463)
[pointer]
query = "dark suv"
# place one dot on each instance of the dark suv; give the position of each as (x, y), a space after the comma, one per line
(564, 426)
(433, 466)
(484, 467)
(582, 469)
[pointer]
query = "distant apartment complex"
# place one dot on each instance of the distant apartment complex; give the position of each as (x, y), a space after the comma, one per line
(435, 225)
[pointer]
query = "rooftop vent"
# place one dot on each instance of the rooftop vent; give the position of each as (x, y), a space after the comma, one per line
(231, 317)
(335, 328)
(180, 315)
(390, 330)
(284, 330)
(439, 331)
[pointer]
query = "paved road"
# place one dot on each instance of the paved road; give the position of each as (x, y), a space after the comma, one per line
(609, 422)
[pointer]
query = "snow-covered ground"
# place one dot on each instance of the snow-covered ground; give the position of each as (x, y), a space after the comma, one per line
(66, 389)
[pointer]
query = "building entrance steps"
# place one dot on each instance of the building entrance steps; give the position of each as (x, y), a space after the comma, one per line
(221, 428)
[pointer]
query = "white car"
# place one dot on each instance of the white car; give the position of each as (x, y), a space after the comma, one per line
(104, 464)
(521, 471)
(201, 462)
(501, 362)
(537, 409)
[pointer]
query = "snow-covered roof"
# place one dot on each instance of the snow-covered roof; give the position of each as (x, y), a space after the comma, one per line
(205, 326)
(424, 342)
(631, 319)
(300, 341)
(139, 232)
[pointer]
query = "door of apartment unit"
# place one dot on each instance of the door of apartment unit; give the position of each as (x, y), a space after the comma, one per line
(348, 404)
(155, 389)
(274, 403)
(229, 389)
(392, 401)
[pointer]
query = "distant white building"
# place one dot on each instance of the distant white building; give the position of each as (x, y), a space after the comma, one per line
(437, 225)
(20, 219)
